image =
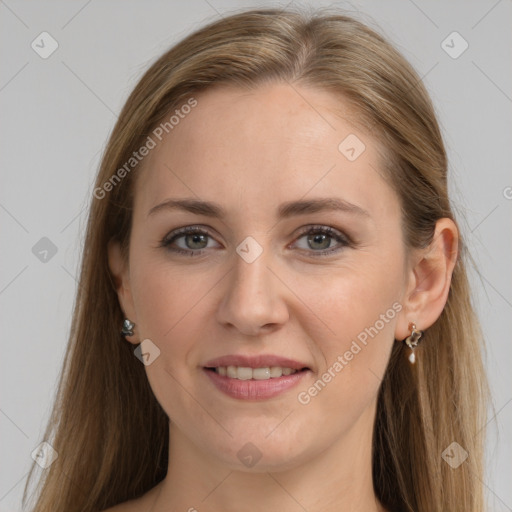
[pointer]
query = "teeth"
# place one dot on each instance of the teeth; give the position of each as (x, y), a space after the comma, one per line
(276, 371)
(245, 373)
(260, 373)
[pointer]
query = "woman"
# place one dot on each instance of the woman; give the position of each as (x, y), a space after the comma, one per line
(272, 234)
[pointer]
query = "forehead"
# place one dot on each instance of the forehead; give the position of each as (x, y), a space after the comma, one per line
(275, 142)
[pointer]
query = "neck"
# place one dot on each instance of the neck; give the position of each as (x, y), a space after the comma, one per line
(340, 478)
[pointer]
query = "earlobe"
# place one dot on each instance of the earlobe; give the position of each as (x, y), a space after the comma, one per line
(430, 277)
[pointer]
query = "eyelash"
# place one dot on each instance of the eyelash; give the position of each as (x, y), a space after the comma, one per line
(342, 239)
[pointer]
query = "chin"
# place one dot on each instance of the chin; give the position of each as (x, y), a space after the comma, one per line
(258, 454)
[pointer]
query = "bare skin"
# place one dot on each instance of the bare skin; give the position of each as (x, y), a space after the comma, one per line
(250, 152)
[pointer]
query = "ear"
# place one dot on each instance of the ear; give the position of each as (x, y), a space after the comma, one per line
(120, 271)
(429, 279)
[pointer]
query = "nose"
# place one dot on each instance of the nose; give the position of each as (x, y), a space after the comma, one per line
(253, 301)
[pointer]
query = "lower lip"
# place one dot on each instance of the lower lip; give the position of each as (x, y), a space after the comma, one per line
(254, 389)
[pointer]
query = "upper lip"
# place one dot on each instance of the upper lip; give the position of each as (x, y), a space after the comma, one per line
(260, 361)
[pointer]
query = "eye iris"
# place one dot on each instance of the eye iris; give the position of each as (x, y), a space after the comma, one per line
(196, 238)
(320, 238)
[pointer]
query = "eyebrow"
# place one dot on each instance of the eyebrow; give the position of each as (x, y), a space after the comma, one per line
(285, 210)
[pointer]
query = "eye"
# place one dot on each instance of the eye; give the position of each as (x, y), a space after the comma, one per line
(319, 240)
(193, 240)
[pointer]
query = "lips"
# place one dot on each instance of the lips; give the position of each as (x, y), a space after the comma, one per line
(254, 377)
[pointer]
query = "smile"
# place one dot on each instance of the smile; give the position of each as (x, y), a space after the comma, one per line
(254, 377)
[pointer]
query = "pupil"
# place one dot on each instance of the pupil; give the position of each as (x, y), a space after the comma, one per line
(197, 238)
(321, 238)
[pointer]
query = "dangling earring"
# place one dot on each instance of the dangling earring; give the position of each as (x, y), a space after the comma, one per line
(127, 329)
(412, 341)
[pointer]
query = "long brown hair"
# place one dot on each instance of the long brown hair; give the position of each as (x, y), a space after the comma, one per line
(110, 432)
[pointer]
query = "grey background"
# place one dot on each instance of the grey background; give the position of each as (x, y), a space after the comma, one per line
(58, 112)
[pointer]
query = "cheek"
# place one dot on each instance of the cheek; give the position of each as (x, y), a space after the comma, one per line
(175, 311)
(360, 312)
(354, 298)
(166, 296)
(171, 308)
(358, 308)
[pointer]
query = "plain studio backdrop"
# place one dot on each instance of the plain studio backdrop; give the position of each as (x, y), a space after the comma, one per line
(60, 98)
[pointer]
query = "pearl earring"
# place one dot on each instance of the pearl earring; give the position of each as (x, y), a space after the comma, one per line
(412, 341)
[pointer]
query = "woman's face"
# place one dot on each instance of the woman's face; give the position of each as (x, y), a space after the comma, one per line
(302, 267)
